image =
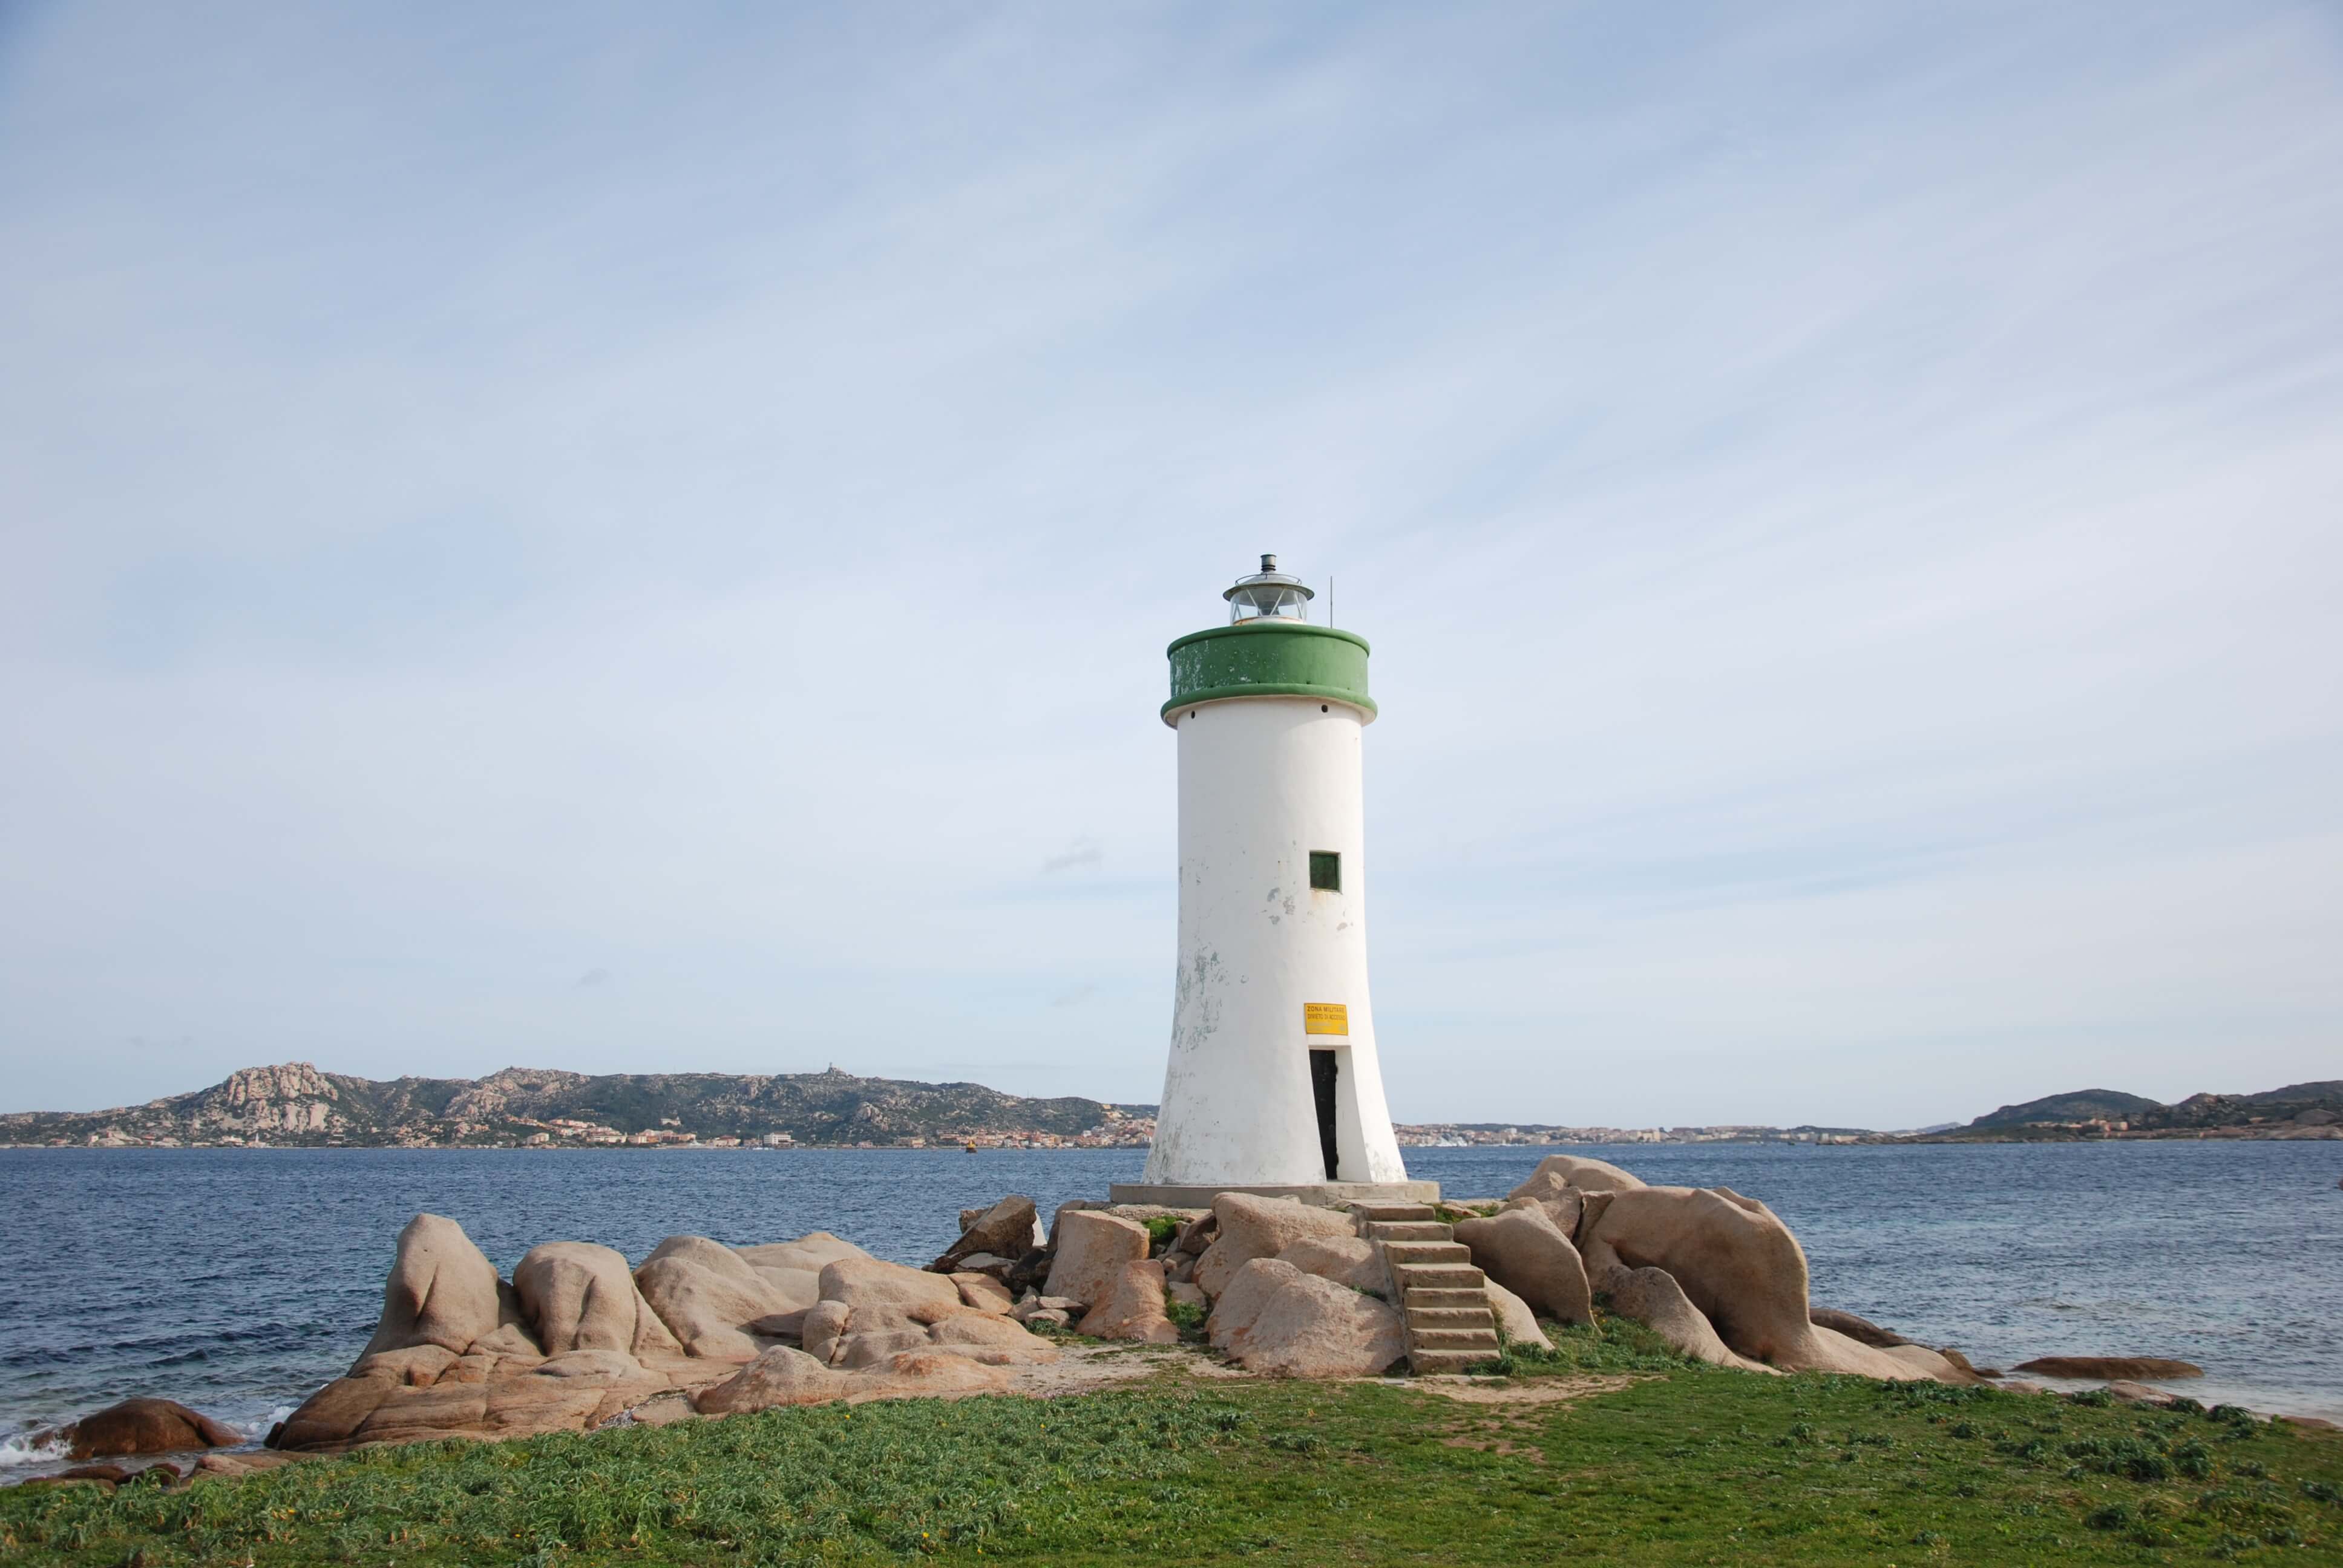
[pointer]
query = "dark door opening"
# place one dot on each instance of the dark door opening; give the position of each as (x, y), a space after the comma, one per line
(1322, 1068)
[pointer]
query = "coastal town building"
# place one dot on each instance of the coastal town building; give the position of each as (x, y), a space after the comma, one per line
(1272, 1083)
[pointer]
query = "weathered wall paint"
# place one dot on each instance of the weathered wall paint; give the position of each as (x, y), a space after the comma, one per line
(1264, 781)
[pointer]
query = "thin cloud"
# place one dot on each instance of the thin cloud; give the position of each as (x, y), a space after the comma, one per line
(1080, 852)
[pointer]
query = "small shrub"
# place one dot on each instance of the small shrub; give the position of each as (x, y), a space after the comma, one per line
(2134, 1458)
(1187, 1317)
(1611, 1344)
(2260, 1509)
(2097, 1398)
(1161, 1231)
(2113, 1516)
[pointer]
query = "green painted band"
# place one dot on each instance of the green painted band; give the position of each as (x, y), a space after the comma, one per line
(1269, 659)
(1268, 626)
(1224, 693)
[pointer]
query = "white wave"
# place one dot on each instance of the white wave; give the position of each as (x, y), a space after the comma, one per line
(257, 1427)
(20, 1448)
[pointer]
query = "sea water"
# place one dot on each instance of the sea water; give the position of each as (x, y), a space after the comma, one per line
(239, 1281)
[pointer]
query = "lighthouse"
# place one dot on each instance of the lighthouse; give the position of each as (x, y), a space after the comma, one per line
(1272, 1086)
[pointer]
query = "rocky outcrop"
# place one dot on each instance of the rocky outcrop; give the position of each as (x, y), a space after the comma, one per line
(577, 1339)
(1557, 1173)
(989, 1338)
(577, 1296)
(874, 1291)
(1939, 1366)
(1739, 1266)
(1862, 1331)
(716, 1303)
(1515, 1321)
(779, 1376)
(138, 1426)
(1253, 1227)
(983, 1292)
(1092, 1250)
(575, 1342)
(1652, 1298)
(566, 1392)
(1134, 1309)
(1346, 1260)
(809, 1253)
(872, 1311)
(1566, 1207)
(1717, 1275)
(935, 1374)
(794, 1269)
(1274, 1319)
(442, 1290)
(1522, 1250)
(2131, 1368)
(1004, 1233)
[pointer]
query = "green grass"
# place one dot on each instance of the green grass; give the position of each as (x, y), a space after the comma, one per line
(1685, 1464)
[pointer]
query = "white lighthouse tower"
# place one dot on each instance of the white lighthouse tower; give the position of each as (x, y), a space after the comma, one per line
(1272, 1085)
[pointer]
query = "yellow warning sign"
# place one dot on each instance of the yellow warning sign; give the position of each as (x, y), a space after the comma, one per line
(1325, 1018)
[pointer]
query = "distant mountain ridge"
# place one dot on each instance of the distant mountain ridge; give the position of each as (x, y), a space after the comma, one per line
(2297, 1110)
(2081, 1105)
(296, 1104)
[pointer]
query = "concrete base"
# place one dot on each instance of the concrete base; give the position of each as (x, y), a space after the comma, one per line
(1325, 1194)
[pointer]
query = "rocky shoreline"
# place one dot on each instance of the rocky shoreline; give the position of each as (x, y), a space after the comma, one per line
(577, 1339)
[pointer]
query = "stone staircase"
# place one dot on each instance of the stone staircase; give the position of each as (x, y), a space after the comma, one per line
(1441, 1298)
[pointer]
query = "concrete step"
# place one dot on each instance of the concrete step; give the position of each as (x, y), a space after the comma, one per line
(1397, 1211)
(1407, 1231)
(1482, 1340)
(1398, 1252)
(1430, 1364)
(1479, 1317)
(1476, 1298)
(1415, 1277)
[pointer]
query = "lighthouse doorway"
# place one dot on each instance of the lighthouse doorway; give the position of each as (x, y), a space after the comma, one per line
(1323, 1069)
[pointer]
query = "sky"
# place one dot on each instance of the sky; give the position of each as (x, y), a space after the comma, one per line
(643, 539)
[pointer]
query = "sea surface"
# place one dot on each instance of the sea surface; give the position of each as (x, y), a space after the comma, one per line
(239, 1280)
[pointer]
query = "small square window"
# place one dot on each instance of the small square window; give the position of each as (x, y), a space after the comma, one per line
(1326, 870)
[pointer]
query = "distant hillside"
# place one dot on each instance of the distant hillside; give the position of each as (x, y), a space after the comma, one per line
(2297, 1110)
(2271, 1105)
(297, 1104)
(2326, 1093)
(2080, 1106)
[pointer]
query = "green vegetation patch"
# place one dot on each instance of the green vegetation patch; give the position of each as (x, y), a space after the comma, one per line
(1605, 1450)
(827, 1484)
